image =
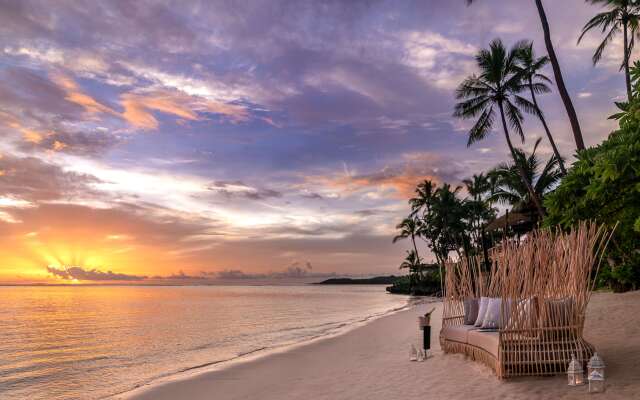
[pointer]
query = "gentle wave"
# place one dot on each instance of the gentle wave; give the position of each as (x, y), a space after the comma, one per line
(336, 328)
(59, 342)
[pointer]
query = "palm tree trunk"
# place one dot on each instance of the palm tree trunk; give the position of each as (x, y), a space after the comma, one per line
(413, 239)
(627, 77)
(523, 176)
(557, 73)
(440, 267)
(415, 248)
(546, 129)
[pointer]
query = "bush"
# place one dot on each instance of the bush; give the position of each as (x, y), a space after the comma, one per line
(427, 285)
(604, 185)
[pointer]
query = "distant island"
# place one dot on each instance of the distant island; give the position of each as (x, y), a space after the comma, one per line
(377, 280)
(427, 285)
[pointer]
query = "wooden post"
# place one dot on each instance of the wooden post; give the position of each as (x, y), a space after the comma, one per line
(506, 223)
(485, 253)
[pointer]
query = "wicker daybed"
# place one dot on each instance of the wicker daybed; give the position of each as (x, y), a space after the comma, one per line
(542, 287)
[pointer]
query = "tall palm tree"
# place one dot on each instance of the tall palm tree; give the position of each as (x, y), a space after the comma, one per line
(529, 67)
(557, 73)
(620, 15)
(497, 86)
(510, 189)
(409, 228)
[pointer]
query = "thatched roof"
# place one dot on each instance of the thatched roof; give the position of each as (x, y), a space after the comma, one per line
(511, 219)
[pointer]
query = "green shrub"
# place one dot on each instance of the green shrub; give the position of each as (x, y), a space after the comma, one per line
(604, 185)
(426, 285)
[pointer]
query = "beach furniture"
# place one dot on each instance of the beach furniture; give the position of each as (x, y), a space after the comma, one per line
(523, 314)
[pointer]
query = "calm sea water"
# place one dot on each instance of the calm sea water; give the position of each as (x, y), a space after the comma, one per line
(94, 342)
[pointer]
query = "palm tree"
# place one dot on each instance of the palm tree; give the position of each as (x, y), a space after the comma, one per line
(557, 73)
(424, 196)
(620, 15)
(478, 205)
(497, 86)
(529, 67)
(510, 189)
(477, 186)
(409, 228)
(414, 264)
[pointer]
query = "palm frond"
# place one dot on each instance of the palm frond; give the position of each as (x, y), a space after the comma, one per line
(597, 55)
(539, 88)
(515, 118)
(603, 19)
(482, 127)
(526, 105)
(471, 107)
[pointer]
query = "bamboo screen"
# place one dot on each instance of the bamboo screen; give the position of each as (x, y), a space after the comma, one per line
(545, 282)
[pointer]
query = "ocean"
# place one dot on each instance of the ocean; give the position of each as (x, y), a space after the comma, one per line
(94, 342)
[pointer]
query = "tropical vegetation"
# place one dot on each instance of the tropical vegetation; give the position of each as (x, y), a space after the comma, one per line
(602, 184)
(621, 15)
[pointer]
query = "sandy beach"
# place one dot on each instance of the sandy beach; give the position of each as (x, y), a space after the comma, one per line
(371, 362)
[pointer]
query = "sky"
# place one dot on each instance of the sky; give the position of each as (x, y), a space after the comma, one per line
(197, 141)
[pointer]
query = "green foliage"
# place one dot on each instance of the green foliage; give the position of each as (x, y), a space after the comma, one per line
(495, 90)
(444, 218)
(446, 223)
(629, 115)
(427, 284)
(604, 185)
(509, 187)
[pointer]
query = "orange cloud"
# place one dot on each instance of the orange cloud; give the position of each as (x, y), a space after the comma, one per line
(401, 185)
(28, 134)
(32, 136)
(138, 108)
(399, 179)
(58, 146)
(75, 95)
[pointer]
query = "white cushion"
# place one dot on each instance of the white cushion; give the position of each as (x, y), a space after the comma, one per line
(494, 317)
(492, 314)
(484, 301)
(524, 315)
(471, 306)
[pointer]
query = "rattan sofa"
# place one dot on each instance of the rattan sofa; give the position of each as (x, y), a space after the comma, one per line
(553, 273)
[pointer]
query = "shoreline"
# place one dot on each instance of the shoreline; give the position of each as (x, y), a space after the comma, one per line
(372, 362)
(266, 352)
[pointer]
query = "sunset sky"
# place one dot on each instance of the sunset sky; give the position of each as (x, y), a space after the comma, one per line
(169, 141)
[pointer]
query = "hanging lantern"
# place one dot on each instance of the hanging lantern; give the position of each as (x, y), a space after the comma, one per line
(595, 364)
(575, 372)
(596, 382)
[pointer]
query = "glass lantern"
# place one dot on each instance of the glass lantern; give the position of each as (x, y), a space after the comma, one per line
(575, 372)
(596, 382)
(595, 364)
(413, 353)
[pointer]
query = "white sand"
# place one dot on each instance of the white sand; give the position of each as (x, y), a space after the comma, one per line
(372, 362)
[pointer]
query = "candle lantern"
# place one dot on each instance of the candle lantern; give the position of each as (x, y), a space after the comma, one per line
(575, 372)
(413, 353)
(596, 364)
(596, 382)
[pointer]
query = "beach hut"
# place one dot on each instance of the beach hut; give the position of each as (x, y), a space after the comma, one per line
(524, 314)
